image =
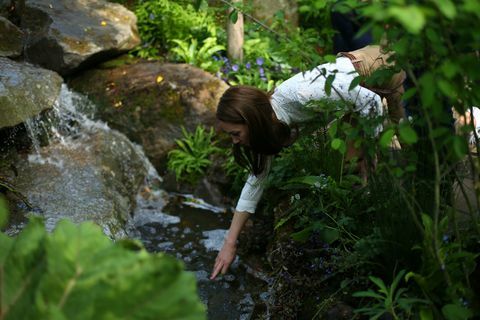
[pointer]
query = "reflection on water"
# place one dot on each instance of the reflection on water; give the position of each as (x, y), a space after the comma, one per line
(193, 231)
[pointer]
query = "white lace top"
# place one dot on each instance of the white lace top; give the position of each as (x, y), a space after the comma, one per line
(289, 100)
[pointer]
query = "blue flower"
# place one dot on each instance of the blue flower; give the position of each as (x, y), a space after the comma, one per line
(235, 67)
(262, 72)
(248, 65)
(151, 16)
(445, 238)
(260, 61)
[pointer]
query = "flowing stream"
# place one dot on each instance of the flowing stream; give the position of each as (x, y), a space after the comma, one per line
(177, 224)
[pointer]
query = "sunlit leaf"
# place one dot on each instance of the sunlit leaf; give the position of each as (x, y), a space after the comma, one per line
(339, 144)
(411, 17)
(79, 273)
(447, 8)
(386, 138)
(472, 6)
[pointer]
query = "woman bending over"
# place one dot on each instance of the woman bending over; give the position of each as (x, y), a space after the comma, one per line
(260, 125)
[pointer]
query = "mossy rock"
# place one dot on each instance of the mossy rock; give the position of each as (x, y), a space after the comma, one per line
(149, 101)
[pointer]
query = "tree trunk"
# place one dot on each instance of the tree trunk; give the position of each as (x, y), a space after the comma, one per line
(235, 36)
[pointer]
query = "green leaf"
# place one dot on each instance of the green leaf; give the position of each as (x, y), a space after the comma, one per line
(308, 180)
(407, 134)
(329, 235)
(386, 138)
(233, 16)
(302, 235)
(426, 314)
(330, 58)
(449, 69)
(411, 17)
(368, 294)
(355, 82)
(328, 84)
(379, 282)
(447, 88)
(472, 6)
(79, 273)
(339, 144)
(427, 224)
(409, 93)
(447, 8)
(456, 312)
(3, 211)
(427, 93)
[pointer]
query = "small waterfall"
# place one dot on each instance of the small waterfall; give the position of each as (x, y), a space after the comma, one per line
(67, 124)
(87, 171)
(80, 169)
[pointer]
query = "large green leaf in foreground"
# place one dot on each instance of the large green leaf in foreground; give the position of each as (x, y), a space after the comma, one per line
(78, 273)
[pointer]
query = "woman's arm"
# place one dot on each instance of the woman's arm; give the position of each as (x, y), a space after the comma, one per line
(227, 253)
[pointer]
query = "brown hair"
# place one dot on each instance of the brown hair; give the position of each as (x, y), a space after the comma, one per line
(268, 135)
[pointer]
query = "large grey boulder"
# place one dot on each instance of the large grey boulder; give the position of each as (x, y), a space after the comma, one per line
(93, 177)
(150, 101)
(11, 39)
(25, 91)
(65, 35)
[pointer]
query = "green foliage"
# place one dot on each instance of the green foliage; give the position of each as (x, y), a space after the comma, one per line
(3, 212)
(161, 21)
(192, 156)
(189, 52)
(78, 273)
(390, 300)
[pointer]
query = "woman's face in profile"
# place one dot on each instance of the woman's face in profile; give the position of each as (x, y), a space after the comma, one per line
(238, 132)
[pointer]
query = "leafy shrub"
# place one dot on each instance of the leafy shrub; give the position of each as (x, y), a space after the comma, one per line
(389, 300)
(191, 53)
(79, 273)
(161, 21)
(191, 158)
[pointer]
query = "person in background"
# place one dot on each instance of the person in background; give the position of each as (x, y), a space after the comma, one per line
(261, 124)
(347, 37)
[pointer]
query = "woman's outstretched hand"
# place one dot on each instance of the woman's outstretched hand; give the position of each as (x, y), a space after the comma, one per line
(224, 259)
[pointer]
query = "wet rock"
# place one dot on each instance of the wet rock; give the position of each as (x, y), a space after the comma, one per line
(66, 35)
(94, 180)
(150, 101)
(11, 39)
(25, 91)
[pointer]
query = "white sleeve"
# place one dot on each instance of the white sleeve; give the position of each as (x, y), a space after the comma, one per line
(252, 190)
